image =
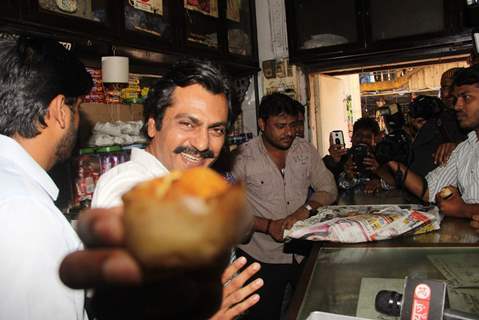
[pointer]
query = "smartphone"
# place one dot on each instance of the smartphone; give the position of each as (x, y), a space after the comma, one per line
(337, 137)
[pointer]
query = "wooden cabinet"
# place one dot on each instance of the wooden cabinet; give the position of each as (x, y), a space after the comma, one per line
(221, 30)
(345, 31)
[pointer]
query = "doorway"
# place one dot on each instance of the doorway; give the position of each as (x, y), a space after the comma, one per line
(339, 98)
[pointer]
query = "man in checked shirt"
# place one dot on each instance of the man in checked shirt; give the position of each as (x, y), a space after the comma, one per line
(277, 169)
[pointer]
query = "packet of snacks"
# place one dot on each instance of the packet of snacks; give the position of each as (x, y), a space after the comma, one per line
(359, 223)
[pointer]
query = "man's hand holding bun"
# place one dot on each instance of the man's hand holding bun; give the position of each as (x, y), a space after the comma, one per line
(124, 290)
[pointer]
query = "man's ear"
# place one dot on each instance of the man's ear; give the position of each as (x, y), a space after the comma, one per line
(151, 128)
(57, 111)
(261, 124)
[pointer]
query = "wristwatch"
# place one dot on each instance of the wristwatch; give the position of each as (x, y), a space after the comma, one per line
(311, 210)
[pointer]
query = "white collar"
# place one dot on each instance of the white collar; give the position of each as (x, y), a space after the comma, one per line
(147, 160)
(15, 153)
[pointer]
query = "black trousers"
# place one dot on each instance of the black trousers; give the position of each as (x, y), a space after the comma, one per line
(276, 278)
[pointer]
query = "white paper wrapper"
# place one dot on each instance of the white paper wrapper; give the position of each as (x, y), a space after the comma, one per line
(353, 224)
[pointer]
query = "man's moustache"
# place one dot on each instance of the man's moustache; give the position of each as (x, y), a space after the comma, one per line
(205, 154)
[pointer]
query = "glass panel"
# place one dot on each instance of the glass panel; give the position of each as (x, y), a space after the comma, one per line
(202, 22)
(238, 19)
(400, 18)
(150, 17)
(325, 23)
(86, 9)
(337, 277)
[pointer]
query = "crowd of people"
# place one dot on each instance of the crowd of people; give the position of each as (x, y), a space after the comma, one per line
(48, 265)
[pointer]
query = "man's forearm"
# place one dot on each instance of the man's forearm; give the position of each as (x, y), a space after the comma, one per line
(413, 182)
(385, 174)
(323, 198)
(261, 224)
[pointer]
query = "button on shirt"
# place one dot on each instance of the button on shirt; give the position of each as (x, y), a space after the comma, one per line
(120, 179)
(34, 239)
(272, 196)
(461, 171)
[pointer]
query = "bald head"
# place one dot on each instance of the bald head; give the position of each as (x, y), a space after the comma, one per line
(447, 79)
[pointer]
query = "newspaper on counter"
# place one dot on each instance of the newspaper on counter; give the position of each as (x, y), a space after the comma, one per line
(359, 223)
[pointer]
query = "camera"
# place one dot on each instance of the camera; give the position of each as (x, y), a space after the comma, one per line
(426, 107)
(394, 147)
(396, 144)
(358, 153)
(393, 117)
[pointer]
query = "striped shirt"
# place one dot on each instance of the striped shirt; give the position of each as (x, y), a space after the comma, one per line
(461, 171)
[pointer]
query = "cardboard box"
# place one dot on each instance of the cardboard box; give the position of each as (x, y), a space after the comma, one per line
(101, 112)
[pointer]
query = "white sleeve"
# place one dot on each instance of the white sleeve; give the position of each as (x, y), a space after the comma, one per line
(32, 247)
(111, 187)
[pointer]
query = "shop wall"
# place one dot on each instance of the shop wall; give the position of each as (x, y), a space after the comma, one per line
(273, 50)
(249, 110)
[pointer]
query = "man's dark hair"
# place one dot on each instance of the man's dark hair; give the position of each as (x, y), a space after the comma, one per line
(33, 71)
(467, 76)
(275, 104)
(182, 74)
(366, 124)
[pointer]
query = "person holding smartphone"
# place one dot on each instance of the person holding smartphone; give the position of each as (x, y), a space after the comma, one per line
(358, 164)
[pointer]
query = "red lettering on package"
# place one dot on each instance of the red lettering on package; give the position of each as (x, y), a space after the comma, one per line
(420, 306)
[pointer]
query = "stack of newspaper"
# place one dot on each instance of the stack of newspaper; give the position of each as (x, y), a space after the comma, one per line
(352, 224)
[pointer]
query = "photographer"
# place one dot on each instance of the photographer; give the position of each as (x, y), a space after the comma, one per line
(358, 164)
(455, 186)
(434, 138)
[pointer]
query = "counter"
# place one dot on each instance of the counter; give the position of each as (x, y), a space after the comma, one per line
(332, 275)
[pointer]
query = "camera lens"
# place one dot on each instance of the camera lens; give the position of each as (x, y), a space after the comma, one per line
(337, 141)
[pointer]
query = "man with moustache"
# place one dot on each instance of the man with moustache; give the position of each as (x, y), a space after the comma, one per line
(186, 116)
(41, 85)
(462, 169)
(277, 169)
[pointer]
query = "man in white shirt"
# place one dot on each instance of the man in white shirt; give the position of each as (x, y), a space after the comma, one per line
(461, 171)
(186, 117)
(40, 88)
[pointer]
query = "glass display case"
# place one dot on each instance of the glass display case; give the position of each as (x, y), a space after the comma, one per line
(321, 33)
(202, 22)
(239, 26)
(85, 9)
(401, 18)
(344, 279)
(9, 9)
(91, 17)
(151, 18)
(224, 31)
(322, 24)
